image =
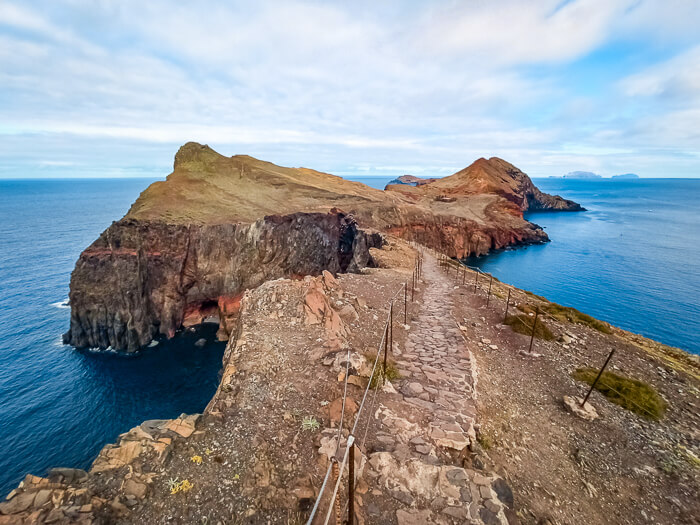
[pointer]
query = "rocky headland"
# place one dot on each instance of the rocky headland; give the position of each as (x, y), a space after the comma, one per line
(192, 244)
(470, 423)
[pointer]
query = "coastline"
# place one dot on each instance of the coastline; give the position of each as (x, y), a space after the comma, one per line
(149, 444)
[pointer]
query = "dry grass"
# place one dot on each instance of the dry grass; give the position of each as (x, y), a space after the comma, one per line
(522, 324)
(632, 394)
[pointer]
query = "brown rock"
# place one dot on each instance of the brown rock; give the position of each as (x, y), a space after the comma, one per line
(134, 488)
(21, 502)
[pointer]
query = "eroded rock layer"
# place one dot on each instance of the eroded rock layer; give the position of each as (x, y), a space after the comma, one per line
(142, 279)
(190, 245)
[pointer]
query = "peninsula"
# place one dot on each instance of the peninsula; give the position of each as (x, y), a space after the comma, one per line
(192, 244)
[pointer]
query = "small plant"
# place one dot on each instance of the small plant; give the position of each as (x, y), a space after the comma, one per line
(197, 460)
(172, 483)
(180, 486)
(632, 394)
(207, 452)
(309, 424)
(484, 441)
(377, 379)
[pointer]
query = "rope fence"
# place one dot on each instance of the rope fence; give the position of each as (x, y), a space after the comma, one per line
(337, 465)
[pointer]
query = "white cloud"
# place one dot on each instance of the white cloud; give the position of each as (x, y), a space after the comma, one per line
(338, 87)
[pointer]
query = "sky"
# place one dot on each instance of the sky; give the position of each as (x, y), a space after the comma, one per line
(111, 88)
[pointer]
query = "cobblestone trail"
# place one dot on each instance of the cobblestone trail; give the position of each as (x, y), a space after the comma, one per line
(438, 389)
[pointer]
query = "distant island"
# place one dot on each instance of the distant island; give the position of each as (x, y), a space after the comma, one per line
(582, 175)
(589, 175)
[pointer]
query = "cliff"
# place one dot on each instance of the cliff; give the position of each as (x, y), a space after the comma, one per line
(190, 245)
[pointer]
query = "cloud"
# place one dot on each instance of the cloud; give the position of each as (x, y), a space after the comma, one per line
(340, 87)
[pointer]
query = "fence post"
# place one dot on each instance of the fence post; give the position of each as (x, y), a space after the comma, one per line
(476, 279)
(413, 284)
(505, 316)
(534, 326)
(464, 275)
(405, 305)
(386, 347)
(351, 486)
(391, 329)
(488, 299)
(597, 378)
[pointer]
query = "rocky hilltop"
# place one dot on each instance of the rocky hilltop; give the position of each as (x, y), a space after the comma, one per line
(192, 244)
(411, 180)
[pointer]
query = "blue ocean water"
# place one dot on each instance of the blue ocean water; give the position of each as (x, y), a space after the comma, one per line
(632, 259)
(58, 406)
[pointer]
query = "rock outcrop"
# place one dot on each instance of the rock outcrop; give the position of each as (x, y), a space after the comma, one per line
(495, 177)
(142, 279)
(190, 245)
(410, 180)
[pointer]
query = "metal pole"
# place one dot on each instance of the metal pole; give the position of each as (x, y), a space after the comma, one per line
(476, 279)
(386, 347)
(391, 330)
(405, 306)
(534, 326)
(597, 378)
(505, 316)
(351, 486)
(413, 285)
(488, 299)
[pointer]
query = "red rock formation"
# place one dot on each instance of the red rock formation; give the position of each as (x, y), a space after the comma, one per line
(190, 245)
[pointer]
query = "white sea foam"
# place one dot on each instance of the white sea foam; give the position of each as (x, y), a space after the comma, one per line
(61, 304)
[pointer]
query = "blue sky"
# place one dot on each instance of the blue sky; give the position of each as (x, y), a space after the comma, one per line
(113, 88)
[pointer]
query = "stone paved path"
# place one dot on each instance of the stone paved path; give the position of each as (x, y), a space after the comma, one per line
(439, 387)
(443, 375)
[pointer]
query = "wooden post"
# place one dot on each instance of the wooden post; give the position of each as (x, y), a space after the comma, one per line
(488, 298)
(534, 327)
(597, 378)
(351, 485)
(505, 316)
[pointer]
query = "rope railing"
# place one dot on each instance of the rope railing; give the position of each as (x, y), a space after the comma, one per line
(386, 342)
(447, 262)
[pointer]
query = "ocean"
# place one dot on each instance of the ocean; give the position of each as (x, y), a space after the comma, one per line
(633, 259)
(58, 406)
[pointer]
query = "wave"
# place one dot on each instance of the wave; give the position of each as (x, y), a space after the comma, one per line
(61, 304)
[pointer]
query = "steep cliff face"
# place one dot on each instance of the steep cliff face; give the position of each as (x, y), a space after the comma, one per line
(190, 245)
(141, 279)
